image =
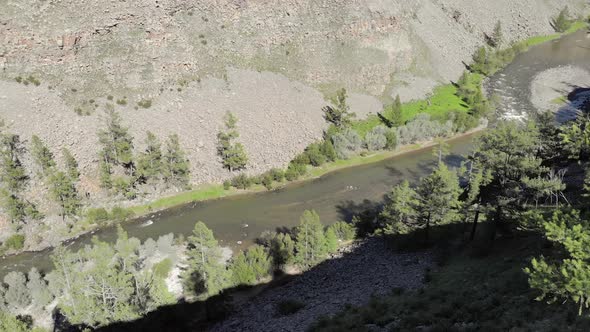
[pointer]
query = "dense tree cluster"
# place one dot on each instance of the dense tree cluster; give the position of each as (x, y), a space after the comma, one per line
(124, 173)
(208, 272)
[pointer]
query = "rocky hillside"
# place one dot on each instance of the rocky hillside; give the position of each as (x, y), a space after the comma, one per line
(270, 62)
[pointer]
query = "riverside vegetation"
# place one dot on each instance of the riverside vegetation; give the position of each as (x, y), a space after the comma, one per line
(132, 276)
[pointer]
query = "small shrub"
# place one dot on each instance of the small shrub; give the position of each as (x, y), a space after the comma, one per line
(267, 181)
(343, 230)
(347, 143)
(314, 155)
(291, 174)
(277, 174)
(18, 79)
(97, 216)
(120, 214)
(226, 185)
(203, 41)
(122, 102)
(144, 103)
(241, 181)
(109, 97)
(15, 242)
(289, 307)
(375, 140)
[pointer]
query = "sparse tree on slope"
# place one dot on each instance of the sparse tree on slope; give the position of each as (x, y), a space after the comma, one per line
(116, 141)
(339, 115)
(149, 163)
(176, 165)
(64, 192)
(42, 155)
(71, 165)
(233, 154)
(562, 22)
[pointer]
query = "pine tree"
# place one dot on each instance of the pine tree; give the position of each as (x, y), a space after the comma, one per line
(64, 192)
(310, 244)
(116, 141)
(567, 278)
(42, 155)
(12, 173)
(339, 115)
(331, 240)
(439, 198)
(396, 112)
(497, 36)
(149, 163)
(233, 154)
(562, 23)
(250, 267)
(71, 164)
(206, 274)
(399, 214)
(176, 165)
(282, 249)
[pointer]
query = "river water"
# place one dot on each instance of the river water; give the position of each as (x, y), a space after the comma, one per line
(513, 84)
(237, 221)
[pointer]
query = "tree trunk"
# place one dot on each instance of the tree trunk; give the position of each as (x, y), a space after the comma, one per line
(427, 229)
(474, 225)
(496, 224)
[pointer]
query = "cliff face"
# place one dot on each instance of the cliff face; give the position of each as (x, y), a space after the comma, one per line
(271, 62)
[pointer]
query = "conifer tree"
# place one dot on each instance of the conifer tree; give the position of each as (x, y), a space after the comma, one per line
(396, 112)
(71, 165)
(63, 190)
(149, 163)
(439, 198)
(310, 241)
(42, 155)
(339, 115)
(175, 164)
(233, 154)
(206, 274)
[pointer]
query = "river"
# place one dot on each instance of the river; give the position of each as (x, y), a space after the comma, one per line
(238, 220)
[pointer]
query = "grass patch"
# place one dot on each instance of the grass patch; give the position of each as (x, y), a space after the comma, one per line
(200, 194)
(578, 25)
(443, 100)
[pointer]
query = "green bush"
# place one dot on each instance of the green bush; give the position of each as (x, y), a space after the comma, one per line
(267, 181)
(277, 174)
(144, 103)
(314, 154)
(97, 216)
(226, 185)
(291, 174)
(16, 242)
(343, 230)
(289, 307)
(241, 181)
(120, 214)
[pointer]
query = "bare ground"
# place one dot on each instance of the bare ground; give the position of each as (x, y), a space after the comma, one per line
(369, 268)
